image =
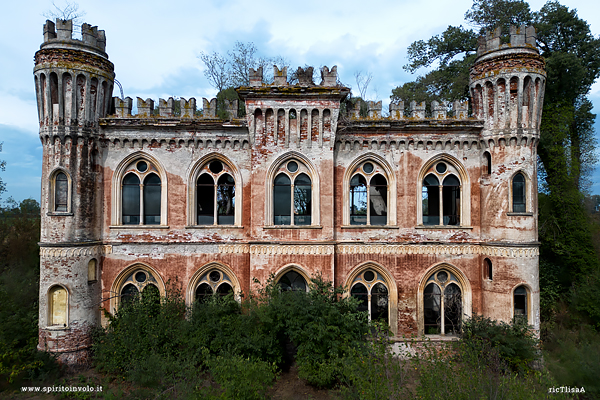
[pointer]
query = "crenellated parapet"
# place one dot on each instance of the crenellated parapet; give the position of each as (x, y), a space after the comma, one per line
(185, 110)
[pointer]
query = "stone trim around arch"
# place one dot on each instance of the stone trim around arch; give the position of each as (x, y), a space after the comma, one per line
(193, 175)
(465, 189)
(52, 192)
(467, 293)
(391, 285)
(390, 176)
(117, 285)
(190, 292)
(292, 267)
(315, 188)
(116, 190)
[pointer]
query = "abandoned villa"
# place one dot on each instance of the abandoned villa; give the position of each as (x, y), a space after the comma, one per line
(427, 216)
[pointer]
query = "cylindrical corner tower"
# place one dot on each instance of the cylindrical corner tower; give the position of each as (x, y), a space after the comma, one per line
(507, 88)
(74, 81)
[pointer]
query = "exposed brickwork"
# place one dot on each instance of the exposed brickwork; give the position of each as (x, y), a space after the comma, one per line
(283, 123)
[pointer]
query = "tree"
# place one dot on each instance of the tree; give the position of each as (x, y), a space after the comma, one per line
(2, 168)
(567, 146)
(362, 82)
(216, 70)
(69, 11)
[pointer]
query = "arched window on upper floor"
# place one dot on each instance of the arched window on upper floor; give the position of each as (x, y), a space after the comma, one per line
(215, 195)
(442, 195)
(519, 193)
(292, 194)
(139, 195)
(370, 193)
(60, 192)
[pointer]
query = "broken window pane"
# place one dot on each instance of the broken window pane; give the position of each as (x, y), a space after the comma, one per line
(430, 198)
(358, 200)
(205, 199)
(302, 200)
(226, 200)
(378, 200)
(432, 304)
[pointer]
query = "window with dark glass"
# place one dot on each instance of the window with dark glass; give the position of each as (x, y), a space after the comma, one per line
(442, 304)
(292, 196)
(487, 264)
(358, 200)
(213, 282)
(293, 280)
(152, 200)
(131, 199)
(520, 303)
(139, 282)
(215, 195)
(61, 192)
(440, 204)
(488, 162)
(518, 193)
(370, 290)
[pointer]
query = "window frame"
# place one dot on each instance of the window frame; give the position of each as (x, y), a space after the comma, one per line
(52, 192)
(121, 280)
(123, 169)
(464, 285)
(304, 166)
(528, 304)
(292, 268)
(50, 307)
(381, 167)
(461, 174)
(198, 169)
(196, 280)
(387, 280)
(526, 192)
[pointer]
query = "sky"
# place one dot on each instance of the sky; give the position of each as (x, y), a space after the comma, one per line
(155, 46)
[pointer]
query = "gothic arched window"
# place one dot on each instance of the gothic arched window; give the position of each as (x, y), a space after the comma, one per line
(215, 195)
(368, 195)
(141, 193)
(441, 204)
(442, 304)
(59, 196)
(292, 195)
(211, 282)
(140, 281)
(293, 280)
(518, 193)
(520, 304)
(370, 288)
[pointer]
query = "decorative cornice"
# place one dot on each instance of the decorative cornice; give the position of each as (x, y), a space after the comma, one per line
(438, 249)
(59, 252)
(278, 249)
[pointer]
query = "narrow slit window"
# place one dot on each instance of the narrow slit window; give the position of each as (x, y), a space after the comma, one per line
(61, 192)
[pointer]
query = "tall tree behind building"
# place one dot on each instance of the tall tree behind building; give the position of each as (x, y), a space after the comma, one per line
(567, 146)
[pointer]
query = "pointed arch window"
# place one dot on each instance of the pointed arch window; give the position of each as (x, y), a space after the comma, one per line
(292, 195)
(139, 282)
(442, 304)
(441, 204)
(294, 281)
(141, 195)
(213, 281)
(368, 195)
(370, 289)
(518, 193)
(520, 302)
(215, 195)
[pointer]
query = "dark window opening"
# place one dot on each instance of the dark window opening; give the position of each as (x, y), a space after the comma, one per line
(131, 200)
(358, 200)
(518, 192)
(61, 192)
(292, 280)
(430, 197)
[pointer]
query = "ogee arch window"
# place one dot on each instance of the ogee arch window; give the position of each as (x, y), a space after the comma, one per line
(442, 304)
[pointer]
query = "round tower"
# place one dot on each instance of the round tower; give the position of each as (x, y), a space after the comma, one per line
(507, 89)
(74, 82)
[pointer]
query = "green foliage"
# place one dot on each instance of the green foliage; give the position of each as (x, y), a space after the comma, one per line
(460, 372)
(240, 378)
(19, 291)
(513, 344)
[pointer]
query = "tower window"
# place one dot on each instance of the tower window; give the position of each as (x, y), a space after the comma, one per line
(58, 299)
(518, 193)
(61, 192)
(520, 303)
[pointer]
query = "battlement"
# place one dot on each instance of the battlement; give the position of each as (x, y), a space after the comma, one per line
(520, 36)
(62, 32)
(170, 109)
(304, 77)
(440, 110)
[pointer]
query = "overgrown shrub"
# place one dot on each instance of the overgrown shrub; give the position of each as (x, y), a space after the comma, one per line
(515, 343)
